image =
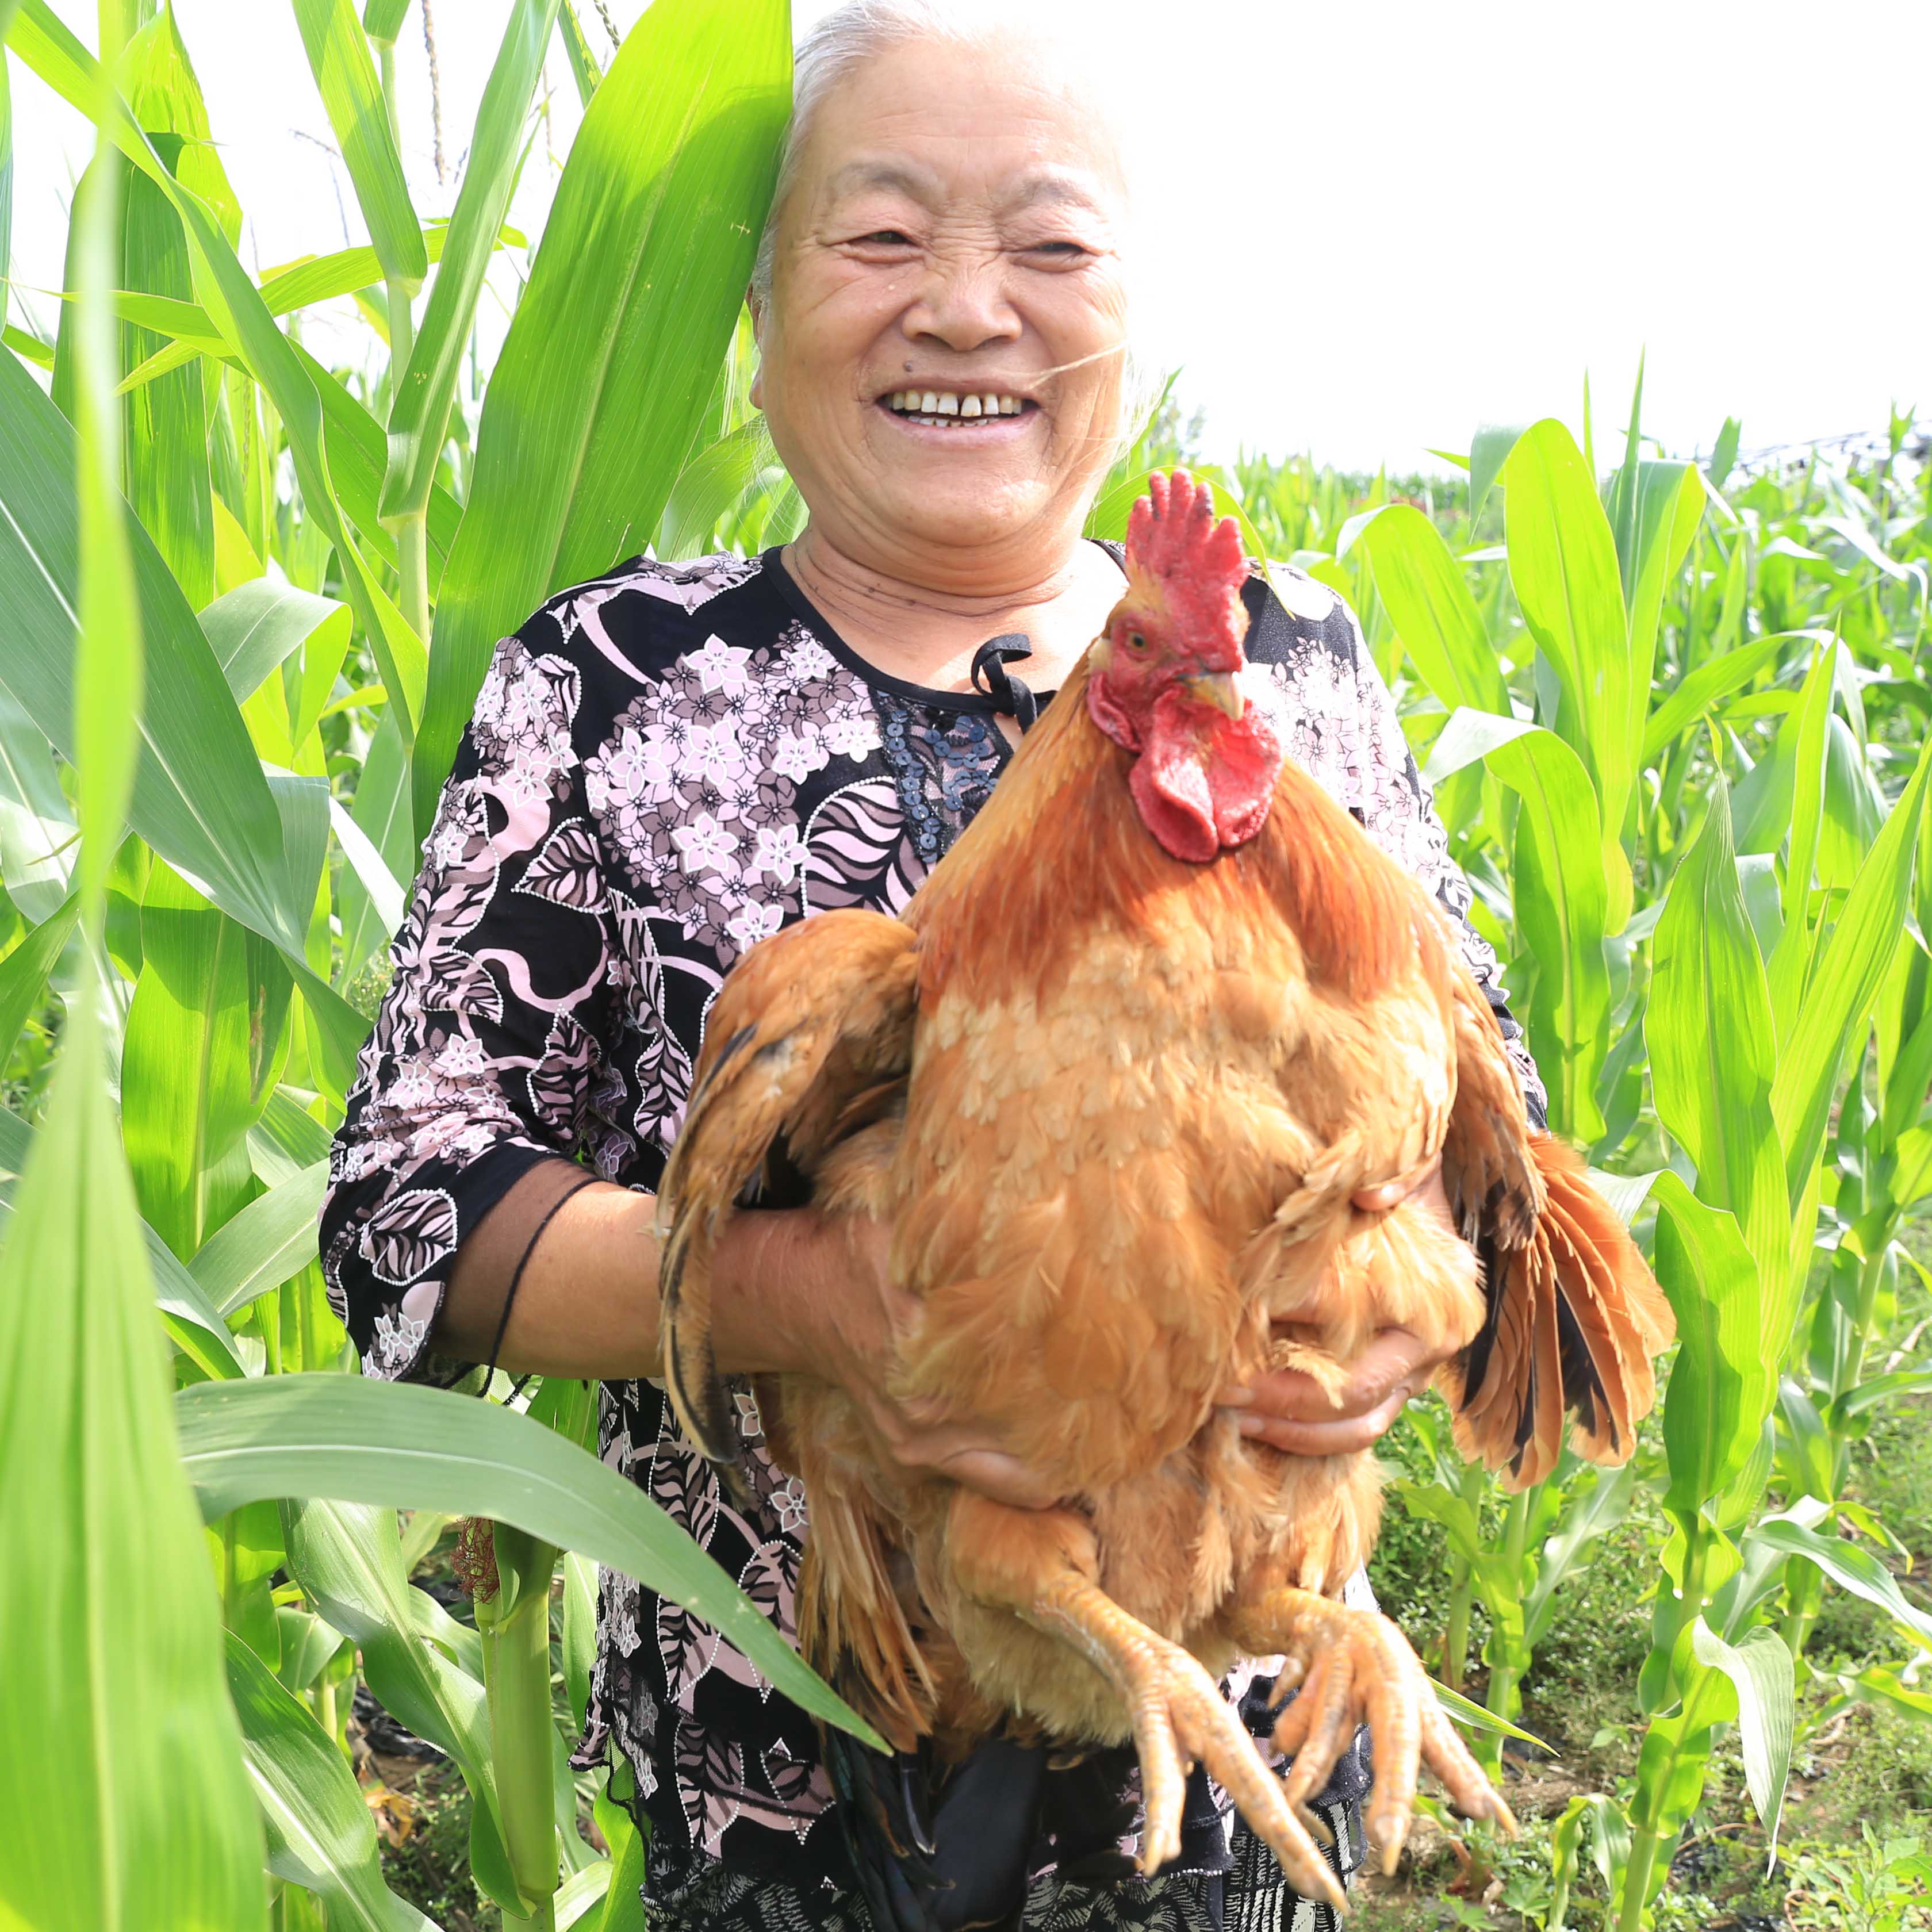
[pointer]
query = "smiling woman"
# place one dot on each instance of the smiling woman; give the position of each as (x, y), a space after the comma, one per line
(670, 762)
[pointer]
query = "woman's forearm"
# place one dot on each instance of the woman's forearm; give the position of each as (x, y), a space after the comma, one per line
(587, 1303)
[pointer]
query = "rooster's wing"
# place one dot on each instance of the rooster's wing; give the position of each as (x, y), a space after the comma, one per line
(810, 1039)
(1574, 1317)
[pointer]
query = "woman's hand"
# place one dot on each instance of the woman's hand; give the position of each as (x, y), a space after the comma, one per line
(800, 1292)
(1292, 1411)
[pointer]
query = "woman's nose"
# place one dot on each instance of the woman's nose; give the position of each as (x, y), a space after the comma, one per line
(962, 302)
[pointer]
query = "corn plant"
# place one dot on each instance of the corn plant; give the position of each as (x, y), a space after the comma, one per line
(227, 687)
(1700, 973)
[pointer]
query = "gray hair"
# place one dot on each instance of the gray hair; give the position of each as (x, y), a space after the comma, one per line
(844, 41)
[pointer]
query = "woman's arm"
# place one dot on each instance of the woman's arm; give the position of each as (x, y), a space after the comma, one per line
(792, 1291)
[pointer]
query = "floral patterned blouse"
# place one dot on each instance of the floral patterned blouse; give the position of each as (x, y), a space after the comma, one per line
(664, 766)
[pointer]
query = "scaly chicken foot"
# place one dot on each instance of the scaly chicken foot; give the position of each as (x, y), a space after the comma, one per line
(1354, 1667)
(1180, 1716)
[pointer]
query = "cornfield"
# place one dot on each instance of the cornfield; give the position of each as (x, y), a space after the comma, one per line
(1676, 715)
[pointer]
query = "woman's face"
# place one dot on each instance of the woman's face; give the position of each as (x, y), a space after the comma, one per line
(952, 235)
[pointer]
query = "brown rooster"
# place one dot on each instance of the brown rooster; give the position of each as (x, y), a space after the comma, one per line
(1146, 1080)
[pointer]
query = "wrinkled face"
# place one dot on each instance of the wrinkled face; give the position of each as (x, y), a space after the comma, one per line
(941, 359)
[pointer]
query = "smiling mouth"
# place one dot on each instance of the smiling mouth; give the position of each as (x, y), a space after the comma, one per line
(949, 409)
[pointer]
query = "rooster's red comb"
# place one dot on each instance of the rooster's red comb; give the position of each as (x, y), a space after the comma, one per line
(1193, 561)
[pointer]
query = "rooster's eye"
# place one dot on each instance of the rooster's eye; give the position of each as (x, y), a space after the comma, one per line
(1135, 642)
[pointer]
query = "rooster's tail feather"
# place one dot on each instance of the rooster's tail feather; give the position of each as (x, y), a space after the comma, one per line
(1575, 1318)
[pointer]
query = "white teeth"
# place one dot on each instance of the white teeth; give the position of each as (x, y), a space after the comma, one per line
(936, 405)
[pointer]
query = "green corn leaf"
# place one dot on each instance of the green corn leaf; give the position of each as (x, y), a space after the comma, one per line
(1563, 565)
(1853, 808)
(1423, 588)
(7, 176)
(1712, 1048)
(1720, 1387)
(198, 796)
(1764, 1678)
(300, 284)
(29, 348)
(236, 305)
(710, 486)
(609, 362)
(1492, 448)
(345, 76)
(187, 1315)
(259, 624)
(582, 1893)
(1670, 501)
(1848, 1566)
(459, 1642)
(23, 973)
(270, 1240)
(164, 95)
(151, 1823)
(1561, 901)
(320, 1834)
(1838, 998)
(381, 813)
(1606, 1506)
(584, 69)
(422, 1448)
(1723, 452)
(36, 830)
(1476, 1718)
(355, 446)
(623, 1908)
(286, 1140)
(579, 1631)
(1806, 731)
(382, 20)
(1710, 684)
(189, 1085)
(308, 1645)
(419, 415)
(348, 1561)
(166, 468)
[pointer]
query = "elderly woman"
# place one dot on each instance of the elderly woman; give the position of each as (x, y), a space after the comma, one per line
(667, 764)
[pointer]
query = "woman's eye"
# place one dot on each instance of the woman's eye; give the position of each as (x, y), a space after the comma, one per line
(1063, 251)
(885, 238)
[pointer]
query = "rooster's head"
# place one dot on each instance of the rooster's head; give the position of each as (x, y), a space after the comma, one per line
(1164, 678)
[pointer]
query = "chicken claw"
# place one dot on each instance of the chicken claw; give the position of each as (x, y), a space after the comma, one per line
(1354, 1667)
(1180, 1717)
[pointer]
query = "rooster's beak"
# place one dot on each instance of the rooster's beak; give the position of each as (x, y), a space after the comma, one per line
(1219, 689)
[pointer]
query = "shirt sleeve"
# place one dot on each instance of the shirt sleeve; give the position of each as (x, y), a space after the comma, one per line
(488, 1044)
(1399, 811)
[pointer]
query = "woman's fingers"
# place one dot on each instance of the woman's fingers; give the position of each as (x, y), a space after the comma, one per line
(1293, 1412)
(1343, 1438)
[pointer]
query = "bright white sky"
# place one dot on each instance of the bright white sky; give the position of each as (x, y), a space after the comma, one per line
(1387, 223)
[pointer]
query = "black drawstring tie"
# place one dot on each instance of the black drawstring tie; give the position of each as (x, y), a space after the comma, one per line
(1008, 694)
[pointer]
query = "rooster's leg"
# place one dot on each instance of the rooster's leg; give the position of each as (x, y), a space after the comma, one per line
(1354, 1667)
(1041, 1565)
